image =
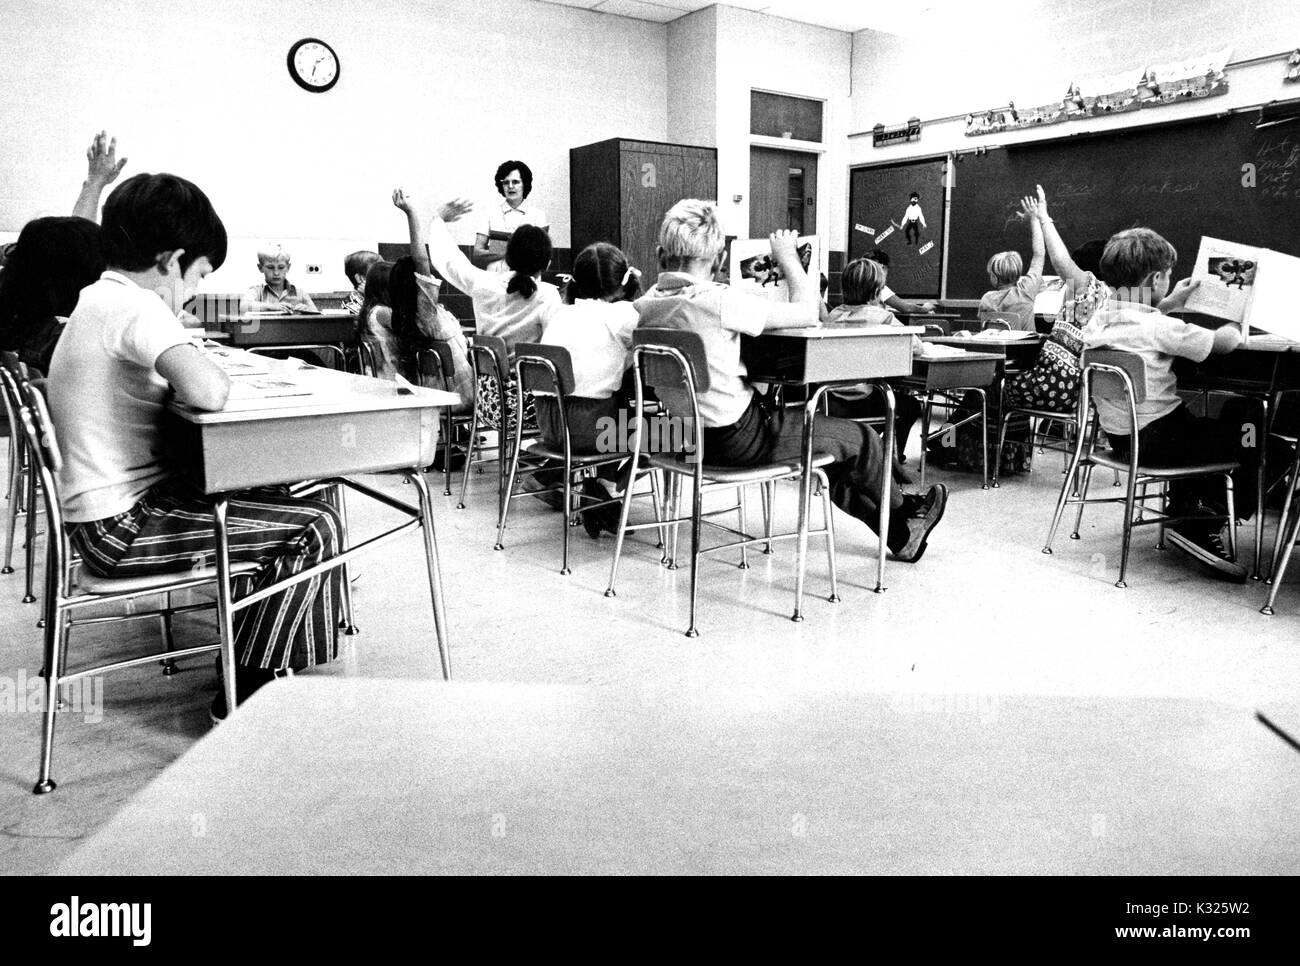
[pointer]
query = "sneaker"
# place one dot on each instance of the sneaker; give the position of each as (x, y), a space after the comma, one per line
(1207, 547)
(923, 519)
(602, 519)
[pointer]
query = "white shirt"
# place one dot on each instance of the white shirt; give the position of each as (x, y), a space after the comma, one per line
(1155, 337)
(598, 336)
(507, 315)
(106, 397)
(504, 218)
(913, 213)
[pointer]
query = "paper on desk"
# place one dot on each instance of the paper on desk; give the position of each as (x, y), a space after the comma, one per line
(1004, 335)
(265, 388)
(1051, 296)
(935, 350)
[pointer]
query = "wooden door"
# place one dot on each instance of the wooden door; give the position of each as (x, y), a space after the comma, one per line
(782, 191)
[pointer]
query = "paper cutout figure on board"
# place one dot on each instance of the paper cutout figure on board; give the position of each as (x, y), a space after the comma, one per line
(913, 220)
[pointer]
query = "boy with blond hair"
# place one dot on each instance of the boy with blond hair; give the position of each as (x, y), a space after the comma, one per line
(275, 292)
(740, 427)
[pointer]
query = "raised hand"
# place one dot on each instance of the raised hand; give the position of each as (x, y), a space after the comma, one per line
(403, 201)
(455, 208)
(101, 158)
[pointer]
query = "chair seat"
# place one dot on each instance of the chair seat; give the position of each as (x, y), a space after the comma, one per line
(1112, 460)
(539, 447)
(678, 463)
(1042, 413)
(92, 584)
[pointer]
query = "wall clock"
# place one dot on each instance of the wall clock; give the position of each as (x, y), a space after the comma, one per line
(313, 65)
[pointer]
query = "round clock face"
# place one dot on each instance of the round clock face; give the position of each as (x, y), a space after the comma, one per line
(313, 65)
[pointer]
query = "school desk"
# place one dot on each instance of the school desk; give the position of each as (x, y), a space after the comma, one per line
(975, 370)
(1262, 369)
(842, 353)
(342, 424)
(330, 775)
(1019, 351)
(330, 331)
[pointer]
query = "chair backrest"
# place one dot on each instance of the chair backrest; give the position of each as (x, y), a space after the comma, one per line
(43, 445)
(661, 369)
(544, 368)
(489, 353)
(12, 400)
(436, 359)
(1002, 324)
(933, 328)
(1107, 364)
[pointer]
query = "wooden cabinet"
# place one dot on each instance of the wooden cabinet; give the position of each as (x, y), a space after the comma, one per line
(619, 191)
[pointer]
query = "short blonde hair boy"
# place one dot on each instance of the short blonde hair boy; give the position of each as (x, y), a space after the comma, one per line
(1005, 268)
(272, 253)
(1133, 255)
(692, 229)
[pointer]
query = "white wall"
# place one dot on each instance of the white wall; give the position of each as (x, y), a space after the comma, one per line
(757, 51)
(693, 67)
(1031, 51)
(432, 95)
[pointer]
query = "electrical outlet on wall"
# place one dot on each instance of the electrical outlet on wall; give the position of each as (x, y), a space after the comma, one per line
(313, 269)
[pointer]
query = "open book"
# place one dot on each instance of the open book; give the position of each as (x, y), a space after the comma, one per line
(1254, 287)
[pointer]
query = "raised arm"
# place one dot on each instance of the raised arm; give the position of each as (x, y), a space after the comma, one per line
(1036, 244)
(1035, 209)
(434, 248)
(104, 167)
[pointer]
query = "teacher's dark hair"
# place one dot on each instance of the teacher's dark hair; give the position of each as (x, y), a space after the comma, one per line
(525, 174)
(149, 214)
(527, 253)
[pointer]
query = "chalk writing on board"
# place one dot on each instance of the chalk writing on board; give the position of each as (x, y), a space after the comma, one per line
(1163, 188)
(1068, 189)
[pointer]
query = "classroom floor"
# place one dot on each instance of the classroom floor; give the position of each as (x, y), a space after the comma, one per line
(984, 614)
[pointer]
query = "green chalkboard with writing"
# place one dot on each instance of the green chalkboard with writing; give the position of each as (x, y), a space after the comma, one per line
(1221, 176)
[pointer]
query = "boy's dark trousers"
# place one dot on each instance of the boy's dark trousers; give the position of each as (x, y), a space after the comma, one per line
(1181, 439)
(770, 434)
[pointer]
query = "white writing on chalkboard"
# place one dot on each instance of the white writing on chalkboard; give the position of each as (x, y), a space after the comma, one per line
(1277, 164)
(1163, 188)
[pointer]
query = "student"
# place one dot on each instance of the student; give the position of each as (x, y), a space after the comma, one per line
(375, 321)
(860, 283)
(1052, 383)
(595, 324)
(418, 319)
(887, 298)
(1137, 263)
(275, 292)
(355, 267)
(123, 357)
(1014, 290)
(741, 428)
(515, 307)
(53, 259)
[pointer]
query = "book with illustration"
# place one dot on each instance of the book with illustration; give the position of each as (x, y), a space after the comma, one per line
(1254, 287)
(754, 270)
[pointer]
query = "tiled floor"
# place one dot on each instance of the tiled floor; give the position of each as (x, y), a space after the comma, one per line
(984, 614)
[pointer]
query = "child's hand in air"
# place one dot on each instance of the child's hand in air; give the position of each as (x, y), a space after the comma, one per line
(403, 201)
(101, 158)
(454, 209)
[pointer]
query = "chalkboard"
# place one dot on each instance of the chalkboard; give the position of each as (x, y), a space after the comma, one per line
(878, 201)
(1184, 180)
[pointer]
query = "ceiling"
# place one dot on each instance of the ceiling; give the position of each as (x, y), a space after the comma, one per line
(847, 15)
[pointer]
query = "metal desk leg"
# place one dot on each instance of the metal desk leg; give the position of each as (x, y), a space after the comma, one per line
(225, 602)
(339, 499)
(805, 499)
(435, 571)
(1261, 487)
(886, 486)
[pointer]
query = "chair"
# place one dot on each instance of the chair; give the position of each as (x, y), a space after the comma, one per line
(438, 361)
(999, 324)
(676, 359)
(1124, 373)
(491, 360)
(22, 476)
(69, 589)
(1288, 528)
(549, 369)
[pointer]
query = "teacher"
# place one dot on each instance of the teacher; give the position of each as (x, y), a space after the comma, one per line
(514, 181)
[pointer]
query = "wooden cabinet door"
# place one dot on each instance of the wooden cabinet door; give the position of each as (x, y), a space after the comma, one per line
(782, 191)
(650, 183)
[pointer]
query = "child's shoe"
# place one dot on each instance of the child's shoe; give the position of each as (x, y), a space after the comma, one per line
(923, 517)
(1208, 547)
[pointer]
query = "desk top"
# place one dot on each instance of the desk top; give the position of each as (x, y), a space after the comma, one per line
(843, 330)
(316, 392)
(334, 775)
(322, 316)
